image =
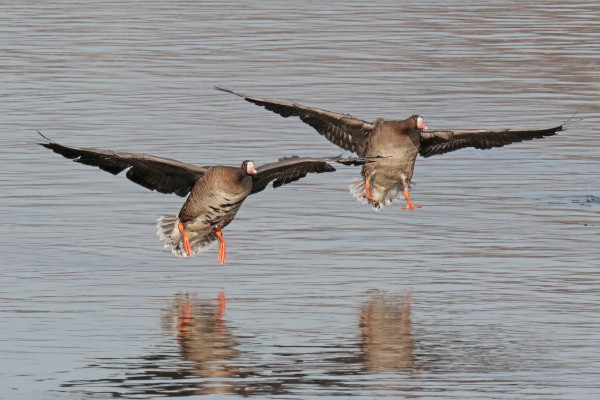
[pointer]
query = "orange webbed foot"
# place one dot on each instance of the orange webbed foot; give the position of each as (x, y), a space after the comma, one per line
(409, 205)
(222, 246)
(368, 195)
(186, 240)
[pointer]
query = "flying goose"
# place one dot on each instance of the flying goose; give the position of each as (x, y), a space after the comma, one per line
(215, 193)
(397, 143)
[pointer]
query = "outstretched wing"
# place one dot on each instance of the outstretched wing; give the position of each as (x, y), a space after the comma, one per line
(288, 169)
(343, 130)
(154, 173)
(439, 141)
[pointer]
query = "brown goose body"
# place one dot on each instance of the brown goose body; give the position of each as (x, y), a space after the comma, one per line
(399, 141)
(214, 200)
(215, 193)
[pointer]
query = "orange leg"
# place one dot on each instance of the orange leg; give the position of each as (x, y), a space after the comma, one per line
(409, 205)
(186, 240)
(222, 246)
(368, 188)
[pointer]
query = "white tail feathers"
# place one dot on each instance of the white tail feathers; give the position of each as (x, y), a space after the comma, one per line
(359, 191)
(167, 230)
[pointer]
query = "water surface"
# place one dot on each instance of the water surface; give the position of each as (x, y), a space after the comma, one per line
(490, 291)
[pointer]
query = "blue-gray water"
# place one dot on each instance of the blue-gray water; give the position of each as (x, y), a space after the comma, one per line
(490, 291)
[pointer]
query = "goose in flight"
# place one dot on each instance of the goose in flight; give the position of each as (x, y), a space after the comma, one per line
(215, 193)
(396, 143)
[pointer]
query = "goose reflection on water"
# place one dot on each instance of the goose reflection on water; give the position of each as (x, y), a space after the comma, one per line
(195, 360)
(205, 342)
(386, 329)
(386, 345)
(203, 355)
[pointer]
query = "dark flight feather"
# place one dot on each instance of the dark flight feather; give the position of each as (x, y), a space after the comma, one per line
(155, 173)
(439, 141)
(288, 169)
(343, 130)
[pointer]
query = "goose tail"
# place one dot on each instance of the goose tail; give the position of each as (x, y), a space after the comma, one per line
(166, 229)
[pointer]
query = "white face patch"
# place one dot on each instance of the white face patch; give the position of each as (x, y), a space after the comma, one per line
(250, 168)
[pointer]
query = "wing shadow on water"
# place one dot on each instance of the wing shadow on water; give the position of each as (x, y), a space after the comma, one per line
(204, 356)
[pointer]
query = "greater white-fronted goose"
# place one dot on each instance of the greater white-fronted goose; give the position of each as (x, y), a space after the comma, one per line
(397, 142)
(215, 193)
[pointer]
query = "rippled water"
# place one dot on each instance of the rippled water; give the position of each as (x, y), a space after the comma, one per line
(490, 291)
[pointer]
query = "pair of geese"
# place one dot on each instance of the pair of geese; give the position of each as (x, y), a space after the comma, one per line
(387, 151)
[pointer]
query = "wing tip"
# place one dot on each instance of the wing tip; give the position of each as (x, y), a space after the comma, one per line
(226, 90)
(571, 120)
(560, 128)
(356, 161)
(49, 142)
